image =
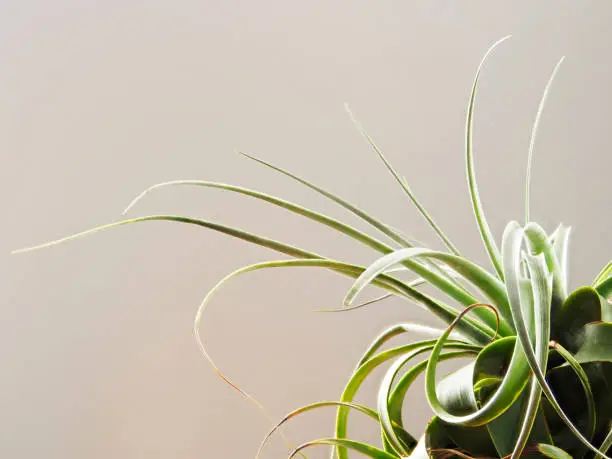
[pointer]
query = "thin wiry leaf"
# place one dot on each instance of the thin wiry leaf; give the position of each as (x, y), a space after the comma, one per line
(483, 226)
(378, 299)
(355, 406)
(403, 184)
(414, 283)
(534, 132)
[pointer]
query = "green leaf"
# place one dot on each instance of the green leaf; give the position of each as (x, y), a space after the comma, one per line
(604, 274)
(569, 391)
(387, 230)
(475, 440)
(542, 295)
(606, 444)
(391, 232)
(390, 404)
(403, 184)
(397, 330)
(362, 372)
(362, 448)
(595, 343)
(488, 284)
(287, 205)
(604, 288)
(539, 243)
(457, 396)
(437, 443)
(337, 266)
(552, 452)
(229, 230)
(582, 306)
(534, 132)
(359, 376)
(561, 248)
(483, 226)
(355, 406)
(505, 429)
(490, 367)
(507, 392)
(586, 386)
(511, 250)
(441, 280)
(442, 310)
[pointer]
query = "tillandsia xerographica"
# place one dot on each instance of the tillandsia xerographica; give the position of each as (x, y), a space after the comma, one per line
(540, 380)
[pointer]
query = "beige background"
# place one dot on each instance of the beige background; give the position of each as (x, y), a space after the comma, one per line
(101, 99)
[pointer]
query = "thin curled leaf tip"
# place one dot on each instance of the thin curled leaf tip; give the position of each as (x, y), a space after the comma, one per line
(141, 195)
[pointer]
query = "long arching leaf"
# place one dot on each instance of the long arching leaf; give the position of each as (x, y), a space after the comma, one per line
(483, 226)
(534, 132)
(287, 205)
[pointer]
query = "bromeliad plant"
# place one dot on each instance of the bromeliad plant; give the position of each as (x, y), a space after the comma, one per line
(540, 382)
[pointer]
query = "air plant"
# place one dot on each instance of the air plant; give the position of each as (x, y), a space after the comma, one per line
(540, 380)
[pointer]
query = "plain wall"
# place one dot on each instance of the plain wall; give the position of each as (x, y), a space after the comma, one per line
(99, 99)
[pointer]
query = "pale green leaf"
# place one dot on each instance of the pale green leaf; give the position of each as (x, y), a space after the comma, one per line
(362, 448)
(511, 249)
(534, 132)
(483, 226)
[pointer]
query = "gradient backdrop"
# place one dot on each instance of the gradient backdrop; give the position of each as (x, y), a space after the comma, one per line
(99, 99)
